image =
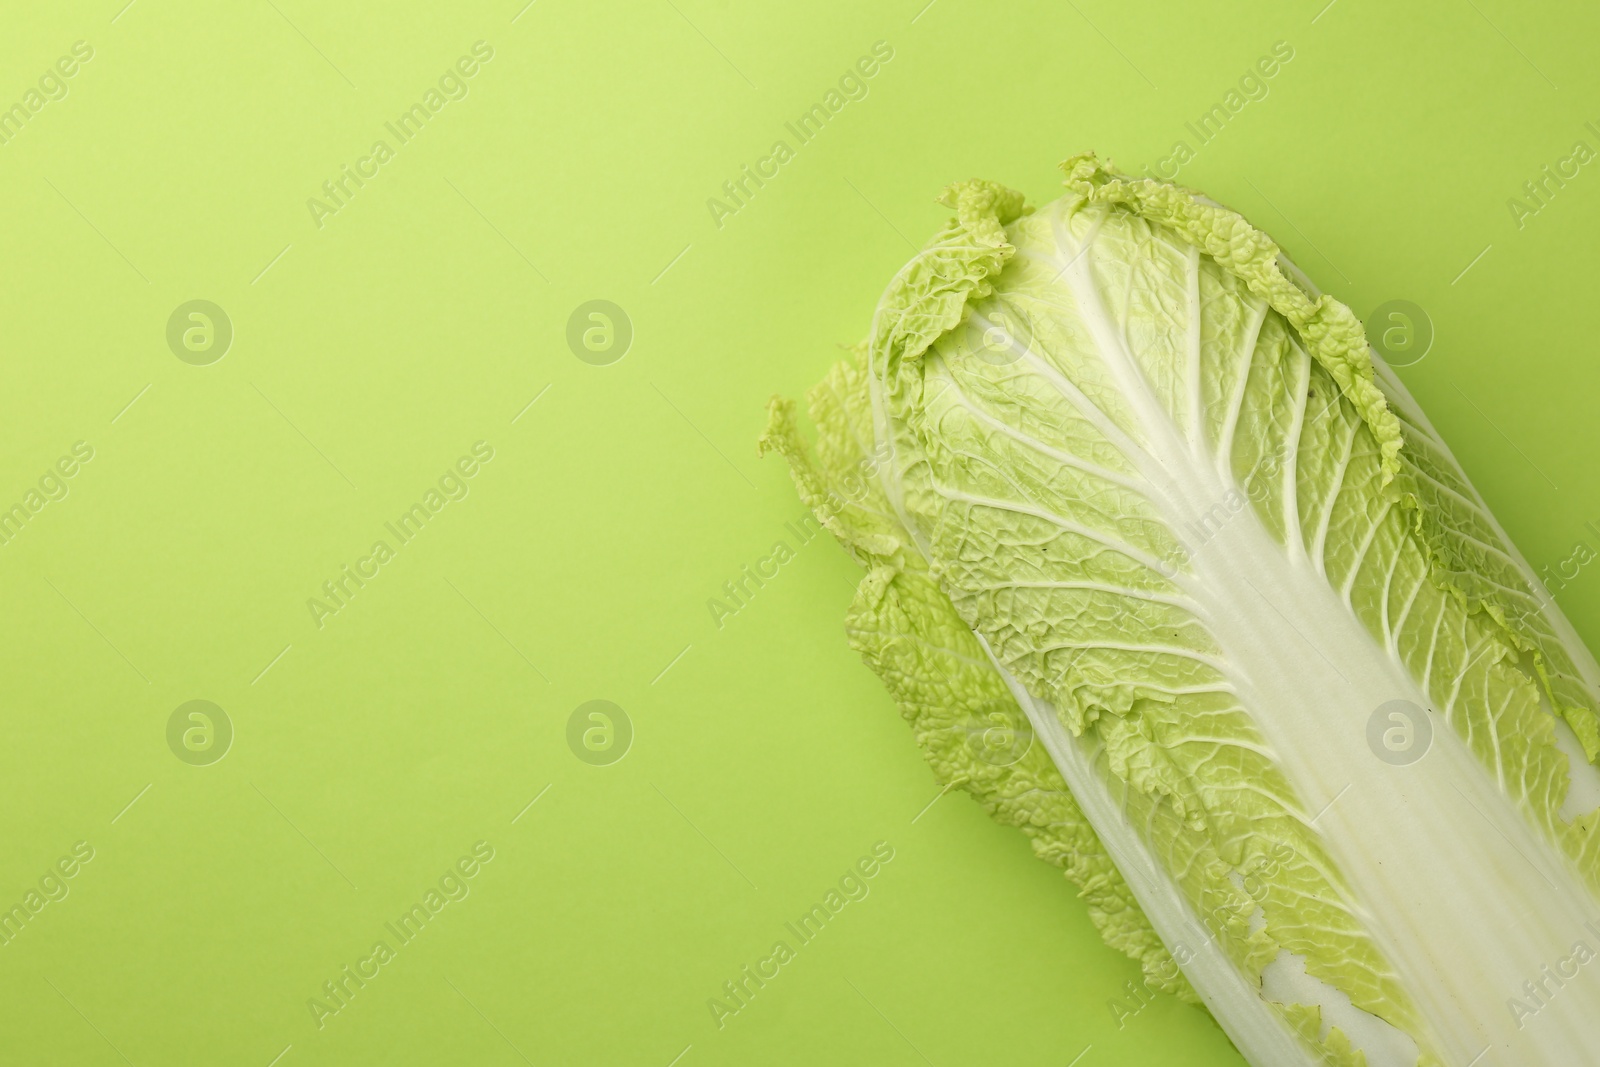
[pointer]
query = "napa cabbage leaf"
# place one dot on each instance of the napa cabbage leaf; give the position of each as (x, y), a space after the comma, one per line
(1166, 569)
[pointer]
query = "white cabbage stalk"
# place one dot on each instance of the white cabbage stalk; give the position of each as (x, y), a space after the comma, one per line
(1166, 569)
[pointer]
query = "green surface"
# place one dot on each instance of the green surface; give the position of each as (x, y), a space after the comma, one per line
(373, 752)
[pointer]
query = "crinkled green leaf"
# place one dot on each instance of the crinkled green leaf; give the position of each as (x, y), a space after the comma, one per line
(963, 718)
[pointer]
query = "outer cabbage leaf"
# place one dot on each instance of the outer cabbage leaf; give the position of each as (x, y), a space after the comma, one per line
(963, 717)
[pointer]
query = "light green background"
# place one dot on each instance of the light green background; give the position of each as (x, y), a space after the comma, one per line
(429, 312)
